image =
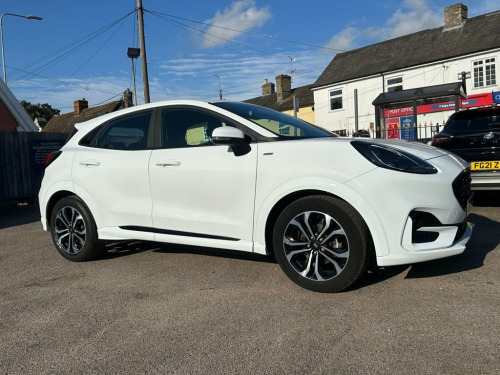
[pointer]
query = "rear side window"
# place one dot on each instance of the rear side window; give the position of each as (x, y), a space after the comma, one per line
(126, 133)
(474, 121)
(87, 140)
(75, 130)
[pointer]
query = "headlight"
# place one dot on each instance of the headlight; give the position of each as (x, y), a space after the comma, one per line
(391, 158)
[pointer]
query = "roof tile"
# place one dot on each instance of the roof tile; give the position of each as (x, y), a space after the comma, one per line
(477, 34)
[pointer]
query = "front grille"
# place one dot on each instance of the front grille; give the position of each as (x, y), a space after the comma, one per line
(462, 188)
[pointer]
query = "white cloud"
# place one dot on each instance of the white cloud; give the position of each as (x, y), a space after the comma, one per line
(345, 40)
(414, 16)
(242, 76)
(410, 17)
(242, 15)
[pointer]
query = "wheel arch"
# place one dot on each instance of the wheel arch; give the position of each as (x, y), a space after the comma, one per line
(80, 194)
(279, 207)
(56, 197)
(377, 242)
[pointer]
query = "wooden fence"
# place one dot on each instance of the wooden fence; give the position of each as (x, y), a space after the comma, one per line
(22, 161)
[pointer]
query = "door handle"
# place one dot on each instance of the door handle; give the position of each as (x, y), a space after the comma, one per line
(168, 163)
(90, 163)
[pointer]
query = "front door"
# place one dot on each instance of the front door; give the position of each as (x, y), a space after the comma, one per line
(202, 193)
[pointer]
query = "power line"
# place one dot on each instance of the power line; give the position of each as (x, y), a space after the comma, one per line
(107, 100)
(201, 33)
(62, 82)
(248, 33)
(64, 52)
(90, 58)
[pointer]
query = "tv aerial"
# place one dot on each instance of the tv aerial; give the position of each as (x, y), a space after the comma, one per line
(292, 60)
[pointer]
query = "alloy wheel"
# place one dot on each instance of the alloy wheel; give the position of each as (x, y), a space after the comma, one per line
(316, 246)
(70, 230)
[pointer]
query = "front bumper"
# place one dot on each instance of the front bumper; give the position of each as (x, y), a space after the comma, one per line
(399, 255)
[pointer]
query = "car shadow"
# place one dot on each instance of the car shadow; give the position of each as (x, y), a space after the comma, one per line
(486, 199)
(212, 252)
(117, 249)
(13, 215)
(485, 238)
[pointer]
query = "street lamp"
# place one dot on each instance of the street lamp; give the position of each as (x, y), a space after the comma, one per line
(133, 53)
(29, 17)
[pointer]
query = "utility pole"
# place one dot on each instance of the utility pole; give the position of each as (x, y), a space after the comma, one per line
(145, 81)
(220, 90)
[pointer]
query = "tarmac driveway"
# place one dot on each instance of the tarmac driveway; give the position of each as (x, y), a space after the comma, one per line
(146, 308)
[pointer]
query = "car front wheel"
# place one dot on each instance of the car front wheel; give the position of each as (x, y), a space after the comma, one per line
(74, 231)
(322, 243)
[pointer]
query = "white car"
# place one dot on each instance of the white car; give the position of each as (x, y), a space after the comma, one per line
(243, 177)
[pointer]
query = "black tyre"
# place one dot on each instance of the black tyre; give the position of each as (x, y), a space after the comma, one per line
(74, 231)
(322, 243)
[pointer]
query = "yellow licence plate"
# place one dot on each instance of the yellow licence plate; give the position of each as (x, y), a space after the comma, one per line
(485, 165)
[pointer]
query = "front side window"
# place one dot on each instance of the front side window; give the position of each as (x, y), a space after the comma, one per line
(280, 124)
(335, 99)
(126, 133)
(395, 84)
(484, 72)
(184, 127)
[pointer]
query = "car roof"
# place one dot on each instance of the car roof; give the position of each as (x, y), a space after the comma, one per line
(90, 124)
(477, 112)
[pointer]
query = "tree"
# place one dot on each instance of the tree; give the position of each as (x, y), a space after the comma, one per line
(39, 110)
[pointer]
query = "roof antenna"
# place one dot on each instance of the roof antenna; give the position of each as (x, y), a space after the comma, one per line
(292, 70)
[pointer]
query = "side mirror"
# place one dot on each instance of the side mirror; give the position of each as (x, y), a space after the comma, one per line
(227, 135)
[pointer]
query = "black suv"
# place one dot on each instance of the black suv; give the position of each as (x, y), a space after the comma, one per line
(474, 135)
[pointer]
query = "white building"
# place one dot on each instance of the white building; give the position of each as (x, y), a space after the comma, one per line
(426, 58)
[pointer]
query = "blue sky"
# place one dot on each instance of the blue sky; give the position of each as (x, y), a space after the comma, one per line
(79, 48)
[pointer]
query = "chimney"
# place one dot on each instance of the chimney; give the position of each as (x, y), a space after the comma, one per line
(267, 88)
(80, 105)
(284, 86)
(127, 99)
(455, 15)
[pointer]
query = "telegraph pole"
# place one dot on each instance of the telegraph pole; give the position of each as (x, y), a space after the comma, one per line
(145, 81)
(220, 90)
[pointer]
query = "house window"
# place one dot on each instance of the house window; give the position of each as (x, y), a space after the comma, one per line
(335, 99)
(283, 129)
(395, 84)
(484, 72)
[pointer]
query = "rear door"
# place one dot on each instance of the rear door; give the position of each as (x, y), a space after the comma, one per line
(112, 168)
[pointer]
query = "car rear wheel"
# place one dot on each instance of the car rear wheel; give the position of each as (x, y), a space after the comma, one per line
(322, 243)
(74, 231)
